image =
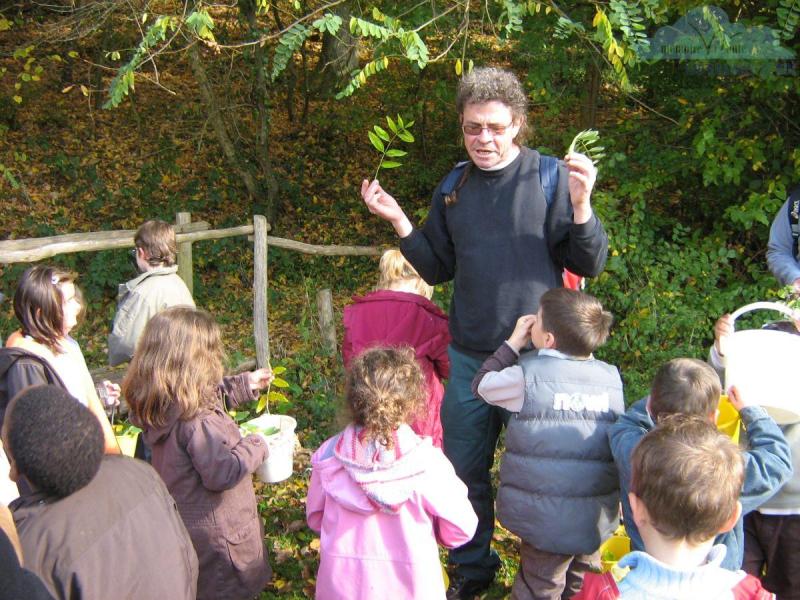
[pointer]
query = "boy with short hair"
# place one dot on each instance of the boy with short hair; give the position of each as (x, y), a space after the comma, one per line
(689, 386)
(78, 524)
(686, 478)
(558, 485)
(157, 287)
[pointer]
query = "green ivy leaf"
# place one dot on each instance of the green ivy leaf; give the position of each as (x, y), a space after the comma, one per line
(390, 164)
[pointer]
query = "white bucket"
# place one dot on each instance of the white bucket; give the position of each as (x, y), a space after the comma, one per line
(279, 463)
(762, 364)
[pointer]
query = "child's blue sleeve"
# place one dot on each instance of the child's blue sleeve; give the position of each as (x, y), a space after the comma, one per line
(623, 437)
(768, 461)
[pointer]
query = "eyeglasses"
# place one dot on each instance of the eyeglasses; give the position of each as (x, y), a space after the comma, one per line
(493, 128)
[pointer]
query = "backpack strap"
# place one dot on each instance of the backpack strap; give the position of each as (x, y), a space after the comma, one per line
(794, 219)
(548, 176)
(451, 179)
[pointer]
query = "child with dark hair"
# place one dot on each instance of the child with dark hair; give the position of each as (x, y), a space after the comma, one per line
(688, 386)
(381, 496)
(680, 505)
(47, 305)
(558, 486)
(84, 505)
(179, 397)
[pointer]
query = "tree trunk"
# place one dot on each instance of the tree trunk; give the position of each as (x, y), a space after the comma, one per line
(220, 128)
(589, 102)
(267, 206)
(339, 56)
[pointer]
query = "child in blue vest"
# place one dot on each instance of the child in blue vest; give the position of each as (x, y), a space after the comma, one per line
(559, 490)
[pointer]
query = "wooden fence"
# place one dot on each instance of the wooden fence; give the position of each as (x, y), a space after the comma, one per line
(188, 232)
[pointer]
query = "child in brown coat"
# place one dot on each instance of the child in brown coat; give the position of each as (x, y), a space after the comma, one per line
(178, 396)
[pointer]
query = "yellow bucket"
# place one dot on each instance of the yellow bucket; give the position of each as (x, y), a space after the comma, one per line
(127, 440)
(728, 420)
(614, 548)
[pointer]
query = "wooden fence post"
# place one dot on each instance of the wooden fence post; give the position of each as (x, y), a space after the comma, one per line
(326, 325)
(185, 254)
(260, 287)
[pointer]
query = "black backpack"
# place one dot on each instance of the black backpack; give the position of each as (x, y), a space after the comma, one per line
(794, 218)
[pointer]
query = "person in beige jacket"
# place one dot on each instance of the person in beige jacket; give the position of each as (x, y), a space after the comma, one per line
(157, 287)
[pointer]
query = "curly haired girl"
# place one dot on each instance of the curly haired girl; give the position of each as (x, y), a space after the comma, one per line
(381, 496)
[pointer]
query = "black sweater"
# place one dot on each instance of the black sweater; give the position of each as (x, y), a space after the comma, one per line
(503, 248)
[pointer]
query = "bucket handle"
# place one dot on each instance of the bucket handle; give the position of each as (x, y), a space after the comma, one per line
(777, 306)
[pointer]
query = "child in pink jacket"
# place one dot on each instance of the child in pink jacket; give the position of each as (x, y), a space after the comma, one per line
(381, 496)
(400, 312)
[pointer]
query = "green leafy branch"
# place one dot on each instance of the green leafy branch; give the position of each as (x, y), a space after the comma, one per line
(199, 23)
(291, 41)
(414, 48)
(586, 142)
(788, 13)
(382, 142)
(271, 395)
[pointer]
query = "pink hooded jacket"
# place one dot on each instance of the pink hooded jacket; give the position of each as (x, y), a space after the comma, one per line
(381, 513)
(391, 318)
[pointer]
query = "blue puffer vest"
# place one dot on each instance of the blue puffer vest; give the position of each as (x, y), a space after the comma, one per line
(559, 489)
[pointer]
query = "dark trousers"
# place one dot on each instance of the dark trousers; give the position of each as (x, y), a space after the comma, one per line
(549, 576)
(772, 552)
(471, 428)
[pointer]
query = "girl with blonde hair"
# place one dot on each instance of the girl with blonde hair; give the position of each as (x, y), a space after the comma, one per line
(399, 312)
(381, 496)
(178, 396)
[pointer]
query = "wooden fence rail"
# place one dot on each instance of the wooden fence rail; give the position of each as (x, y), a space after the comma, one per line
(187, 232)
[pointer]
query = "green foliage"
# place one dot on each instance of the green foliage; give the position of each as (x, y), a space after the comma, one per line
(123, 82)
(788, 13)
(412, 45)
(627, 17)
(382, 142)
(291, 41)
(586, 142)
(200, 24)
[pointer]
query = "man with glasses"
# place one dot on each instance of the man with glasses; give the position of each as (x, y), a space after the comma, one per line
(503, 246)
(157, 287)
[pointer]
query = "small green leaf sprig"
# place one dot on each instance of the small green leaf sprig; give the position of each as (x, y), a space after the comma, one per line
(382, 141)
(271, 395)
(586, 143)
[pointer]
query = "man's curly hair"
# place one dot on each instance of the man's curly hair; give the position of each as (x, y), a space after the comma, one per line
(384, 388)
(485, 84)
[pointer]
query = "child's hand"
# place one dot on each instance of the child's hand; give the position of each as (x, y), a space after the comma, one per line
(739, 402)
(522, 332)
(723, 329)
(260, 378)
(109, 393)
